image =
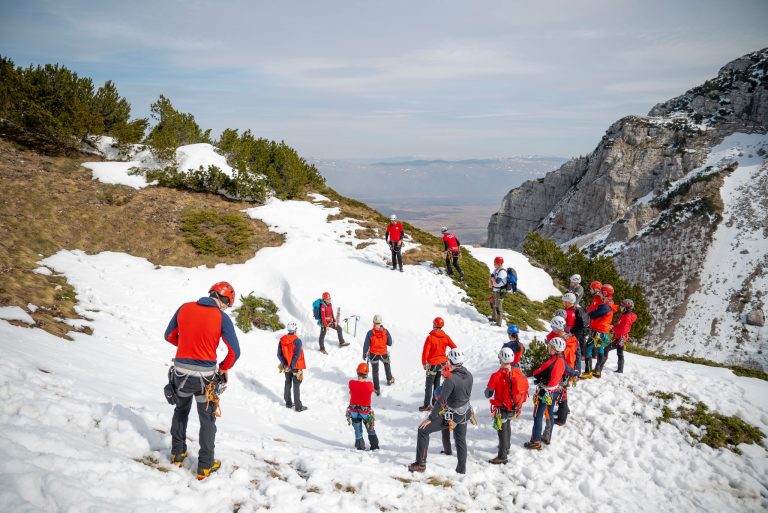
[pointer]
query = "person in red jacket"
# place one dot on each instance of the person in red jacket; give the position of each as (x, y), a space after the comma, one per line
(394, 238)
(507, 396)
(433, 359)
(195, 330)
(594, 288)
(620, 332)
(359, 412)
(328, 320)
(452, 252)
(291, 356)
(548, 378)
(376, 349)
(600, 326)
(571, 353)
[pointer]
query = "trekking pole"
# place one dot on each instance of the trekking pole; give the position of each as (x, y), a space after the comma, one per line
(357, 318)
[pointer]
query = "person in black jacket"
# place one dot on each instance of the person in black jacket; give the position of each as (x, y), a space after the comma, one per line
(452, 411)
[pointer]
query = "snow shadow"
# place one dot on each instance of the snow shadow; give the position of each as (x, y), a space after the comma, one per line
(254, 386)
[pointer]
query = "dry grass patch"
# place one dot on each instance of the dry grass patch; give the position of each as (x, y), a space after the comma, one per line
(436, 481)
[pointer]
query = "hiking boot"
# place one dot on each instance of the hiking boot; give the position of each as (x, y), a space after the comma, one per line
(586, 375)
(620, 371)
(178, 459)
(534, 446)
(343, 344)
(401, 269)
(378, 392)
(322, 350)
(390, 381)
(447, 453)
(546, 439)
(417, 467)
(461, 277)
(360, 444)
(202, 473)
(288, 405)
(425, 408)
(596, 374)
(374, 441)
(498, 461)
(300, 409)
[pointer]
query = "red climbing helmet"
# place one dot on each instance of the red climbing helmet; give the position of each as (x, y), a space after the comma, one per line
(326, 296)
(595, 285)
(498, 261)
(224, 292)
(438, 322)
(607, 290)
(362, 369)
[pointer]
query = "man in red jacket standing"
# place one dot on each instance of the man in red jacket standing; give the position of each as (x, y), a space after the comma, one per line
(620, 332)
(394, 237)
(195, 330)
(376, 349)
(291, 356)
(452, 252)
(433, 359)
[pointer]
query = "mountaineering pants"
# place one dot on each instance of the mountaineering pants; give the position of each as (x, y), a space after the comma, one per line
(397, 255)
(375, 359)
(459, 437)
(619, 353)
(323, 331)
(452, 258)
(497, 305)
(358, 421)
(550, 419)
(542, 414)
(292, 381)
(187, 387)
(505, 435)
(602, 340)
(431, 383)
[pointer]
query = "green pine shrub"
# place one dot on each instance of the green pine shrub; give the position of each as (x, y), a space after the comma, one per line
(216, 233)
(257, 312)
(173, 129)
(535, 354)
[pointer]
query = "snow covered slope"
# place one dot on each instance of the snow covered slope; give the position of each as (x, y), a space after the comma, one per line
(538, 285)
(84, 425)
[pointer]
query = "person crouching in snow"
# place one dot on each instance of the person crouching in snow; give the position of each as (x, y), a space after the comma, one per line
(376, 349)
(548, 378)
(452, 412)
(359, 412)
(291, 356)
(620, 332)
(507, 389)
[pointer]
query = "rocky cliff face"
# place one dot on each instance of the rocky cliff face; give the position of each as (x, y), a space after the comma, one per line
(650, 195)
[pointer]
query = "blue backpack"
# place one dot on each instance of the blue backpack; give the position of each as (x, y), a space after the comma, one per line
(511, 279)
(316, 309)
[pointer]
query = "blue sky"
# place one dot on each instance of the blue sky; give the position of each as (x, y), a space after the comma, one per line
(434, 79)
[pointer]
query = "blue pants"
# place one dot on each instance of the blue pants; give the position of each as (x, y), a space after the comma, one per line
(541, 411)
(578, 361)
(358, 420)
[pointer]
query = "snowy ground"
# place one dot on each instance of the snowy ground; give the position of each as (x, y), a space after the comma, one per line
(76, 416)
(533, 281)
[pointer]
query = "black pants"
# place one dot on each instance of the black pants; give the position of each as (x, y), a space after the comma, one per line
(431, 382)
(187, 387)
(292, 381)
(375, 359)
(505, 435)
(459, 437)
(619, 353)
(397, 255)
(324, 330)
(453, 258)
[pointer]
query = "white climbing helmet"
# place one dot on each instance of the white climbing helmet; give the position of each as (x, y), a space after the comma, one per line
(557, 323)
(377, 319)
(576, 278)
(292, 327)
(443, 229)
(456, 356)
(393, 217)
(558, 343)
(560, 313)
(506, 355)
(569, 297)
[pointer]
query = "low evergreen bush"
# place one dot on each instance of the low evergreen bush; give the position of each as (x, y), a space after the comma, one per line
(257, 312)
(216, 233)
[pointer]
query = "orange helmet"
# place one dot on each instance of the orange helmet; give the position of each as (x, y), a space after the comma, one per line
(595, 285)
(498, 260)
(224, 292)
(326, 295)
(438, 322)
(362, 369)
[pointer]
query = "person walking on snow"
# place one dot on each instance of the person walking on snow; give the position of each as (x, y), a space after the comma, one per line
(376, 349)
(575, 288)
(497, 282)
(514, 344)
(433, 359)
(451, 413)
(328, 320)
(195, 330)
(620, 332)
(359, 411)
(507, 389)
(600, 326)
(291, 356)
(547, 378)
(394, 237)
(452, 252)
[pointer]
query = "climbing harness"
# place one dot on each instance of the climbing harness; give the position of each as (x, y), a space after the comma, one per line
(212, 397)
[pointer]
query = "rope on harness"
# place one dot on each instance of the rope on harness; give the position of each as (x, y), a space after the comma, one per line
(212, 396)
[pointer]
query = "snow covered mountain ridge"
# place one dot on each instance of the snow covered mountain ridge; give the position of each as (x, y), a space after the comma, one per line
(664, 194)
